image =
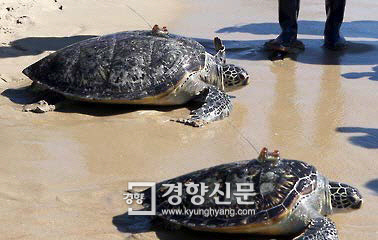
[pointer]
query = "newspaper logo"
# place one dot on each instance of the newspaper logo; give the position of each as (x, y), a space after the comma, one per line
(136, 197)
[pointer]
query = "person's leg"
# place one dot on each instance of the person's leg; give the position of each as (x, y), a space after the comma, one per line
(335, 15)
(288, 11)
(288, 14)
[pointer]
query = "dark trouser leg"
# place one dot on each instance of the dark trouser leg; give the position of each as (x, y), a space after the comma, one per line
(288, 14)
(288, 11)
(335, 15)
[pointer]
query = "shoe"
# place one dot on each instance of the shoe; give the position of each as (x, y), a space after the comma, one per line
(288, 11)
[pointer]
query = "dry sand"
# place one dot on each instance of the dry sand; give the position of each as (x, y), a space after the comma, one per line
(63, 173)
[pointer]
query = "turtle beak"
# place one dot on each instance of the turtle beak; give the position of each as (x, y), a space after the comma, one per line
(357, 200)
(244, 77)
(246, 81)
(357, 205)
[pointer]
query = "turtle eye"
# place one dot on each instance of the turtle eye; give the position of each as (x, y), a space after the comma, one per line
(242, 77)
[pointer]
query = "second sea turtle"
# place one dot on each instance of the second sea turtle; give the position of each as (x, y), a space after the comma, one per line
(141, 67)
(264, 196)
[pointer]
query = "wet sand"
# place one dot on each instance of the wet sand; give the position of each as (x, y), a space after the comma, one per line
(63, 173)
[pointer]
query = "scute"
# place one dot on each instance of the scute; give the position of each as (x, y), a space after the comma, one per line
(290, 179)
(121, 66)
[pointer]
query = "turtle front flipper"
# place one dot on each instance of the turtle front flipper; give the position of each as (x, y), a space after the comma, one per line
(220, 56)
(319, 228)
(215, 105)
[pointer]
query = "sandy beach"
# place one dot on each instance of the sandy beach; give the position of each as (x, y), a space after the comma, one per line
(63, 173)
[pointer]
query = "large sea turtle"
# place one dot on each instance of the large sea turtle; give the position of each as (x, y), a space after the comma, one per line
(141, 67)
(267, 196)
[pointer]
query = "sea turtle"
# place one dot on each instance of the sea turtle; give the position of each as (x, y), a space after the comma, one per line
(264, 196)
(141, 67)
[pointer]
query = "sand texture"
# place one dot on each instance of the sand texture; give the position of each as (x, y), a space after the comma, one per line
(62, 174)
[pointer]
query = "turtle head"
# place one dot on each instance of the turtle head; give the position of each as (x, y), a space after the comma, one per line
(344, 198)
(234, 77)
(266, 156)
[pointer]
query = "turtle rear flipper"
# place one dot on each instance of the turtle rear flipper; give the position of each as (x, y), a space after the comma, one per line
(319, 228)
(48, 100)
(215, 105)
(41, 106)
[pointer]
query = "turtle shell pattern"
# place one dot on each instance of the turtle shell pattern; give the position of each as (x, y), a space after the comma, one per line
(278, 187)
(122, 66)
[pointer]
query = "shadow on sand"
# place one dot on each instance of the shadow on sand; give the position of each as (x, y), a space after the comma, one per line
(37, 45)
(373, 185)
(356, 75)
(358, 53)
(362, 29)
(369, 138)
(142, 224)
(25, 95)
